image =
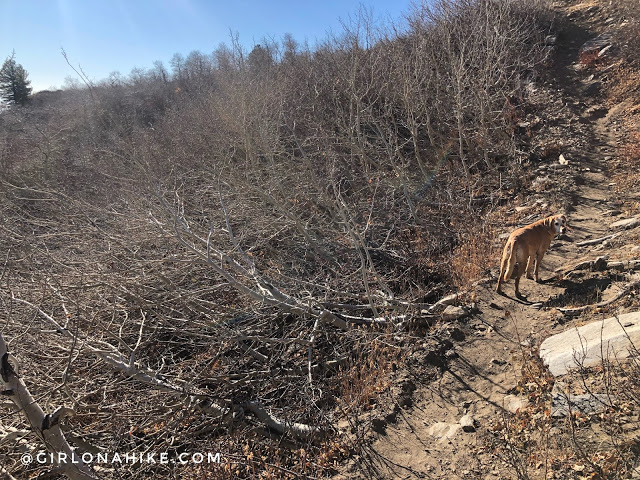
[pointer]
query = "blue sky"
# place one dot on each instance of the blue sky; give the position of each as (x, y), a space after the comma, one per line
(103, 36)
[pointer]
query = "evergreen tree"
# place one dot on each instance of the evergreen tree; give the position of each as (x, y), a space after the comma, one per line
(14, 83)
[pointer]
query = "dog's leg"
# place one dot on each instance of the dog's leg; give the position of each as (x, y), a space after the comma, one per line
(503, 267)
(518, 294)
(512, 268)
(530, 261)
(538, 261)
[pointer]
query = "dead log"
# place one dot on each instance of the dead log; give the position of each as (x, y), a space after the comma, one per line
(595, 241)
(599, 263)
(45, 426)
(298, 430)
(627, 288)
(625, 265)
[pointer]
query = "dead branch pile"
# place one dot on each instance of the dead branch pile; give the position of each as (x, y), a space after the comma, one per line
(231, 260)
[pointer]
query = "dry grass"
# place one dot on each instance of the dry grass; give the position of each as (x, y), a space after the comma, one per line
(551, 150)
(475, 255)
(629, 34)
(583, 6)
(589, 59)
(625, 170)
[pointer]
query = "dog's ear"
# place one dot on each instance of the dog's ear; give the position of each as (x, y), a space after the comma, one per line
(548, 222)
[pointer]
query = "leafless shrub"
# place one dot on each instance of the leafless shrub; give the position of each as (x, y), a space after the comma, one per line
(228, 257)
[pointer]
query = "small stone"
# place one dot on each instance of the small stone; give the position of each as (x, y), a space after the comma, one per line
(513, 403)
(468, 423)
(562, 405)
(600, 263)
(450, 354)
(453, 313)
(596, 111)
(443, 430)
(527, 342)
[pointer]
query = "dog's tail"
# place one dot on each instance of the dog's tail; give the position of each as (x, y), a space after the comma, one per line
(510, 264)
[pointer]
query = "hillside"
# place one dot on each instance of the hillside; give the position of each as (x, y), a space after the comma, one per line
(288, 257)
(524, 427)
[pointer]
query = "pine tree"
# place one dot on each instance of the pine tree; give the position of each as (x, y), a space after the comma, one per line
(14, 83)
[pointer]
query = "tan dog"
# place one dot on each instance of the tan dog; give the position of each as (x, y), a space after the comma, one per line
(528, 245)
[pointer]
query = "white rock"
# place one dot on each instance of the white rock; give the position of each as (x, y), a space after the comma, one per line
(513, 403)
(584, 345)
(444, 431)
(448, 300)
(453, 313)
(468, 423)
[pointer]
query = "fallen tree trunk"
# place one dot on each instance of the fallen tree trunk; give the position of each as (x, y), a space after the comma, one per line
(202, 401)
(298, 430)
(622, 293)
(46, 426)
(595, 241)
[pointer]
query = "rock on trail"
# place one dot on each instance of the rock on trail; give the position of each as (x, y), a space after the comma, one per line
(612, 339)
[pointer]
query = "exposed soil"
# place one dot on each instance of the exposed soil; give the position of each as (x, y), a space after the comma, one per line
(485, 365)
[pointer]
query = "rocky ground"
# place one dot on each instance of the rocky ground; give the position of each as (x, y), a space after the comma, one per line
(495, 411)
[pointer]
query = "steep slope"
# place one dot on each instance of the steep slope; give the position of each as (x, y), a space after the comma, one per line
(493, 367)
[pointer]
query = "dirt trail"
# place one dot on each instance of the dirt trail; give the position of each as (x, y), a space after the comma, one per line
(426, 441)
